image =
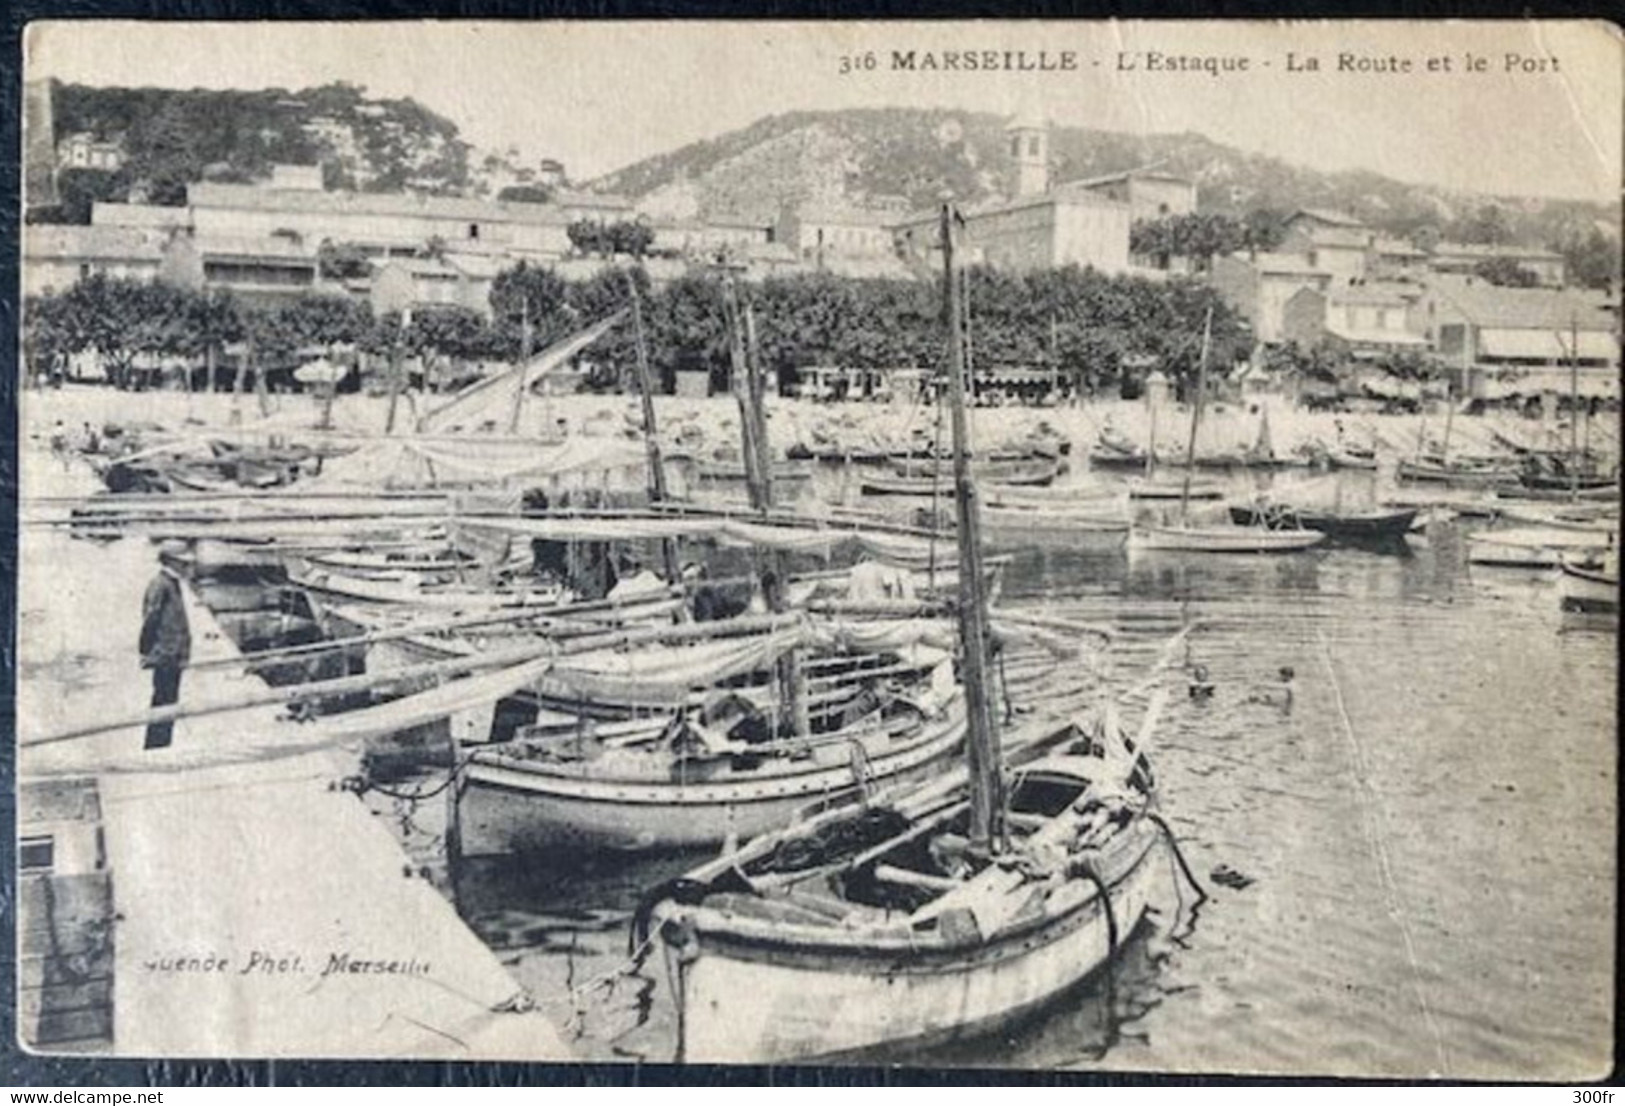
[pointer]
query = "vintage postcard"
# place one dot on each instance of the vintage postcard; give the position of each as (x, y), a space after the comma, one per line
(1004, 544)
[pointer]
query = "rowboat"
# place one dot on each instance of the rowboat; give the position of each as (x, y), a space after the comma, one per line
(1350, 527)
(1351, 457)
(1536, 547)
(677, 769)
(1460, 473)
(1604, 493)
(1018, 474)
(1222, 539)
(867, 926)
(1589, 590)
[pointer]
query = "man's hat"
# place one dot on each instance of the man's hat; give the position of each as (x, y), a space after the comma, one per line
(172, 549)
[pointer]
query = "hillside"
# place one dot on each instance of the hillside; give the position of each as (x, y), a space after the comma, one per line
(896, 157)
(172, 137)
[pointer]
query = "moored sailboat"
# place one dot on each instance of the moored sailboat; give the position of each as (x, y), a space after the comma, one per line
(922, 915)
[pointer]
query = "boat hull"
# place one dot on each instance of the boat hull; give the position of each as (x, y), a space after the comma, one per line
(504, 808)
(1380, 527)
(1535, 548)
(1223, 539)
(758, 1003)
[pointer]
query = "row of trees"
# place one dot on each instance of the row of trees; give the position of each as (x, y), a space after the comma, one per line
(626, 237)
(1088, 327)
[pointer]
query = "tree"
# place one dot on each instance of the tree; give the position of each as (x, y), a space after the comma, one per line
(586, 236)
(121, 320)
(1487, 226)
(342, 261)
(529, 295)
(526, 194)
(1506, 272)
(1592, 259)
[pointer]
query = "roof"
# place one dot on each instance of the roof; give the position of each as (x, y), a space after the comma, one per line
(850, 216)
(1128, 174)
(1484, 253)
(1295, 264)
(1323, 215)
(1548, 345)
(1394, 247)
(571, 197)
(408, 205)
(267, 248)
(1375, 336)
(1374, 295)
(1493, 307)
(1343, 238)
(41, 241)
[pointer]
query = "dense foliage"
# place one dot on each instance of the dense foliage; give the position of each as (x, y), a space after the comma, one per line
(1092, 329)
(173, 137)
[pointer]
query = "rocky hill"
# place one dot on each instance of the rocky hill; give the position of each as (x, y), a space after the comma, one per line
(890, 158)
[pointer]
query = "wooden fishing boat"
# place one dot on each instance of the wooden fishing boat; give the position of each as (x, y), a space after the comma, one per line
(1027, 474)
(1352, 457)
(1536, 547)
(931, 914)
(1103, 457)
(735, 470)
(1589, 590)
(1460, 473)
(690, 768)
(1606, 493)
(1569, 516)
(859, 928)
(1222, 539)
(1347, 527)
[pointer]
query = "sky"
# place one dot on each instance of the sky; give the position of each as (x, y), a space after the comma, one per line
(1542, 117)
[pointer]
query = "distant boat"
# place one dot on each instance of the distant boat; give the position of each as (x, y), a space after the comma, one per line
(1223, 539)
(1018, 474)
(1536, 547)
(1352, 457)
(1350, 527)
(1464, 473)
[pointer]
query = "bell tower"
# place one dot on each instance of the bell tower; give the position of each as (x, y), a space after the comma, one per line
(1028, 136)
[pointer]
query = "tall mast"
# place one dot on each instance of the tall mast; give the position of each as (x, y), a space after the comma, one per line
(651, 438)
(982, 744)
(1196, 418)
(524, 362)
(739, 379)
(1574, 407)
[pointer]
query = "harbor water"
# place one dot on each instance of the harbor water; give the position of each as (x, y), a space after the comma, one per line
(1410, 863)
(1410, 860)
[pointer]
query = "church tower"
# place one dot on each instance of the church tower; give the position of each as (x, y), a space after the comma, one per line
(1028, 136)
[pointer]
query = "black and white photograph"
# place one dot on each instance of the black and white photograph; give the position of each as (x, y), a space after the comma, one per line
(1021, 545)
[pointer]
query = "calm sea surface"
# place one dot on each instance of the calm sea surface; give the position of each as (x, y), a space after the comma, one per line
(1414, 861)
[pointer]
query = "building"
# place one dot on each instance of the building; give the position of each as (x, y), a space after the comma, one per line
(1029, 153)
(706, 238)
(1259, 285)
(421, 283)
(1150, 194)
(151, 219)
(818, 234)
(1395, 259)
(390, 222)
(1361, 321)
(86, 151)
(55, 258)
(1331, 242)
(1548, 268)
(1060, 227)
(261, 272)
(1524, 341)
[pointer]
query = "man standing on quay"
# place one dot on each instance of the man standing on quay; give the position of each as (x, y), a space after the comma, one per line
(166, 639)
